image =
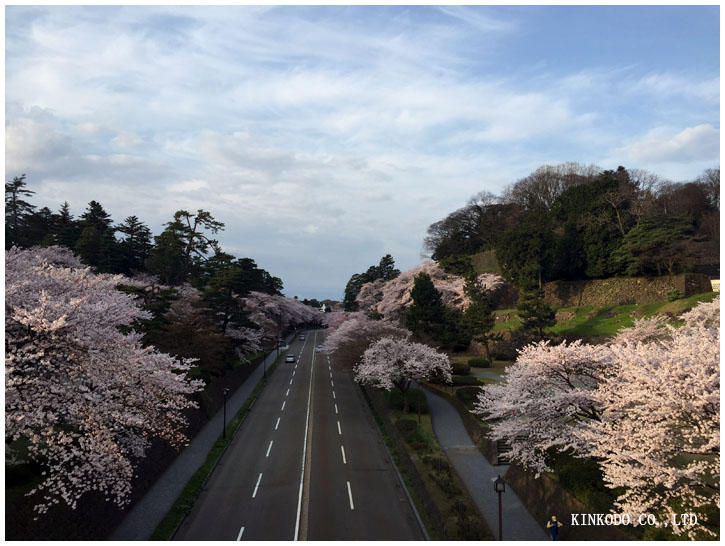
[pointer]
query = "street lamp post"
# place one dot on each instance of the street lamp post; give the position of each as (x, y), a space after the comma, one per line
(499, 485)
(224, 424)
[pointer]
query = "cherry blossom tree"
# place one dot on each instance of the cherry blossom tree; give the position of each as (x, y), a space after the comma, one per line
(348, 341)
(659, 435)
(646, 406)
(544, 397)
(274, 313)
(390, 362)
(82, 398)
(390, 298)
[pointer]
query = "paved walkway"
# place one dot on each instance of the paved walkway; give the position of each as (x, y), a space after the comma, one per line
(478, 475)
(486, 374)
(148, 512)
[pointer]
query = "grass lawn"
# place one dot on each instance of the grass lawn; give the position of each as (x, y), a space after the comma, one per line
(604, 320)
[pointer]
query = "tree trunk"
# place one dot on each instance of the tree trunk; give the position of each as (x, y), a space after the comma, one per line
(419, 403)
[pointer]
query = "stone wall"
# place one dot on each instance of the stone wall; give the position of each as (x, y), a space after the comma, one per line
(624, 290)
(543, 497)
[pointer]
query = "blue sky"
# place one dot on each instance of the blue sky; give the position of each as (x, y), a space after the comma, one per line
(326, 137)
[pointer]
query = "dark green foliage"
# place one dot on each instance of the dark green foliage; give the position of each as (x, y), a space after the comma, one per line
(410, 431)
(584, 478)
(395, 400)
(352, 289)
(166, 257)
(457, 264)
(525, 252)
(135, 246)
(535, 313)
(658, 245)
(228, 280)
(562, 223)
(65, 230)
(427, 312)
(430, 320)
(468, 395)
(465, 380)
(478, 318)
(461, 368)
(183, 246)
(384, 270)
(17, 210)
(439, 464)
(479, 362)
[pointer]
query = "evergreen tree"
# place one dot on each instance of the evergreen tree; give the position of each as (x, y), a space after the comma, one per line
(38, 228)
(135, 246)
(182, 248)
(535, 313)
(97, 245)
(386, 268)
(478, 317)
(426, 315)
(16, 211)
(65, 229)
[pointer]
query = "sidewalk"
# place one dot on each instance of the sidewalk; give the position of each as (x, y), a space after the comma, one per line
(148, 512)
(478, 475)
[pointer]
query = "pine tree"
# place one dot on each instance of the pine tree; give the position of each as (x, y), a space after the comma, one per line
(135, 246)
(478, 316)
(16, 211)
(535, 313)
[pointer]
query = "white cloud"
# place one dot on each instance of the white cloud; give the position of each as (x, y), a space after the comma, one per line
(701, 142)
(369, 124)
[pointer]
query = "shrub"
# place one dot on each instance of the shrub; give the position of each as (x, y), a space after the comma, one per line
(479, 362)
(446, 484)
(439, 464)
(395, 401)
(461, 368)
(465, 380)
(673, 295)
(467, 395)
(406, 426)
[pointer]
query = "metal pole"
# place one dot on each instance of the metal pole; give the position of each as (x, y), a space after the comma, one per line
(224, 421)
(500, 530)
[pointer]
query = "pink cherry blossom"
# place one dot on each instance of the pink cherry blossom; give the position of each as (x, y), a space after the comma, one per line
(84, 397)
(390, 298)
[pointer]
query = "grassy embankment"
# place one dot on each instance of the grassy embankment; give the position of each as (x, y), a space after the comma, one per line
(580, 477)
(447, 510)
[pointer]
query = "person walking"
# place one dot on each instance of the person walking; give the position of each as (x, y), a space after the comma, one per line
(553, 527)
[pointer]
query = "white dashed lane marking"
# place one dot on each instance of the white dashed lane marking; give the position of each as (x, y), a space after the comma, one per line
(257, 486)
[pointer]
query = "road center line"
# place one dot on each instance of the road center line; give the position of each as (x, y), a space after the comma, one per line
(241, 532)
(349, 494)
(257, 486)
(335, 409)
(344, 461)
(269, 448)
(304, 447)
(275, 426)
(283, 403)
(331, 383)
(290, 381)
(333, 394)
(339, 431)
(287, 393)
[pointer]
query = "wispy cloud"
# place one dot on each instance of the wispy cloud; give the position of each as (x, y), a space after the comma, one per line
(337, 127)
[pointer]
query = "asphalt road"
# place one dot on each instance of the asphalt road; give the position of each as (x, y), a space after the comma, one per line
(308, 463)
